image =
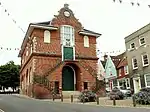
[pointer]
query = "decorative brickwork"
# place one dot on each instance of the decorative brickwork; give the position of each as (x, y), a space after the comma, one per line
(46, 58)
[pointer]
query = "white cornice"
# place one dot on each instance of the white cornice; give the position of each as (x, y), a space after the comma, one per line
(90, 34)
(44, 27)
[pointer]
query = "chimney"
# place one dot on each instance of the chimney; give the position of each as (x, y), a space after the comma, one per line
(105, 57)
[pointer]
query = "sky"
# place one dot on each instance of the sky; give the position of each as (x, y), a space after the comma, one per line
(113, 20)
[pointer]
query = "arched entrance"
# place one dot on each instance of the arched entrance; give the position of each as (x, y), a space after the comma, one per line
(68, 78)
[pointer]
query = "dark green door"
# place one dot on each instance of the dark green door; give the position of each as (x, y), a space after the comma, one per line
(68, 53)
(67, 79)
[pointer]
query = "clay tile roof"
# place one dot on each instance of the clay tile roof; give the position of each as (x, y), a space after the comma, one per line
(123, 60)
(122, 63)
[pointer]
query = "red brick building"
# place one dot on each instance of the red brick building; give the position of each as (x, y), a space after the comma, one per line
(58, 56)
(123, 72)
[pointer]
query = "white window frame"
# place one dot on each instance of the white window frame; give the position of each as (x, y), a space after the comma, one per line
(126, 70)
(62, 34)
(131, 46)
(140, 41)
(144, 65)
(127, 80)
(133, 63)
(146, 80)
(86, 41)
(47, 36)
(136, 78)
(63, 41)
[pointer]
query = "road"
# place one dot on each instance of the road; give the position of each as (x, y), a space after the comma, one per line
(13, 103)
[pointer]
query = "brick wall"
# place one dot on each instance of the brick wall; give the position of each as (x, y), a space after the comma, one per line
(44, 63)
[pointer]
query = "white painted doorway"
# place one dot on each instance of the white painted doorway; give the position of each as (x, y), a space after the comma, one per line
(137, 84)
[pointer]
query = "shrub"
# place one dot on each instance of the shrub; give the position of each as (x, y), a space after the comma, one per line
(116, 94)
(143, 96)
(87, 96)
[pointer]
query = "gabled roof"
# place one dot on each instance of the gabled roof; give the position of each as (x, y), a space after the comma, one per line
(116, 59)
(110, 68)
(123, 60)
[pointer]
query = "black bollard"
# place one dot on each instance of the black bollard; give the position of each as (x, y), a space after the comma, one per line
(53, 97)
(71, 98)
(97, 99)
(114, 101)
(134, 102)
(61, 97)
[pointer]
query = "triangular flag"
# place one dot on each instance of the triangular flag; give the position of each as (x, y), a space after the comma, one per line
(138, 4)
(132, 3)
(14, 21)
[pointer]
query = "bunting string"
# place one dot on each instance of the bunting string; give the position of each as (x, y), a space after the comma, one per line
(133, 3)
(99, 52)
(9, 15)
(9, 49)
(19, 27)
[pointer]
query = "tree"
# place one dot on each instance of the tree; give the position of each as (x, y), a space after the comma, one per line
(9, 75)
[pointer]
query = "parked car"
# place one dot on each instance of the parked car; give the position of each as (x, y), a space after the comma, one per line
(116, 94)
(126, 92)
(143, 96)
(87, 96)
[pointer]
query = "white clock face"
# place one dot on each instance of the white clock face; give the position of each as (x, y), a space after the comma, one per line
(66, 13)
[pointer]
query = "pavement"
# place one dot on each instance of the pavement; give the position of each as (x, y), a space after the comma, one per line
(18, 103)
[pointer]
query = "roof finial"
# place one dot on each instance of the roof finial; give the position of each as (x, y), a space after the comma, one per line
(66, 5)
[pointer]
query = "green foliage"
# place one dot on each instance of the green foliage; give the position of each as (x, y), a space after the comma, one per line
(87, 96)
(9, 75)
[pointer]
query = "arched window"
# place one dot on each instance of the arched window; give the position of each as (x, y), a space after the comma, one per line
(47, 36)
(86, 41)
